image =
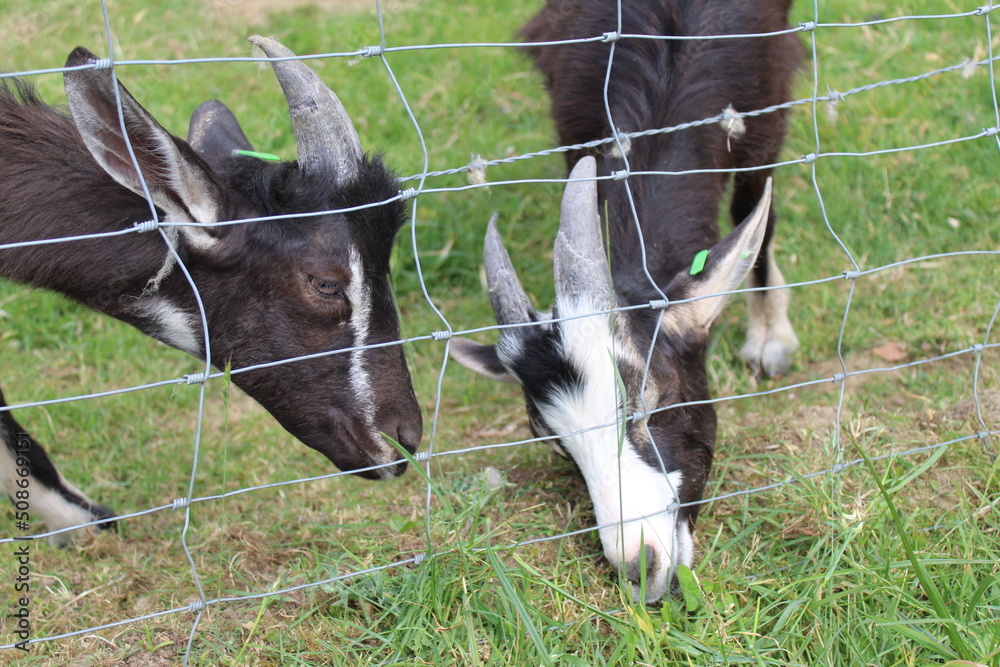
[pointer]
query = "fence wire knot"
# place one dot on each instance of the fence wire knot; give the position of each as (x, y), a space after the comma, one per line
(621, 146)
(991, 131)
(612, 36)
(833, 98)
(983, 435)
(408, 193)
(808, 159)
(477, 170)
(420, 457)
(838, 468)
(838, 377)
(673, 507)
(659, 304)
(637, 416)
(419, 558)
(619, 175)
(852, 275)
(985, 9)
(441, 335)
(732, 122)
(978, 348)
(180, 503)
(969, 66)
(196, 378)
(147, 226)
(371, 51)
(197, 606)
(807, 26)
(104, 63)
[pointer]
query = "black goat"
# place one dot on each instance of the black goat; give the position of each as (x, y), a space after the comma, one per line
(646, 477)
(271, 290)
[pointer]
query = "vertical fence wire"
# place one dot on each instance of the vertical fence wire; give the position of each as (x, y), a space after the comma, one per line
(984, 434)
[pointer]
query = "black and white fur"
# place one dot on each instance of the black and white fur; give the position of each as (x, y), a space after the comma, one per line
(646, 474)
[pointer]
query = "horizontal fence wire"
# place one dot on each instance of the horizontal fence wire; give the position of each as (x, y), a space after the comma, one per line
(812, 31)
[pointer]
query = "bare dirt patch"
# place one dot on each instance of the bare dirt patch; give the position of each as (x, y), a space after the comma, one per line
(809, 414)
(989, 403)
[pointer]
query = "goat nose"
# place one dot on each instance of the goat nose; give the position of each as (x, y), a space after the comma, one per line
(633, 569)
(409, 432)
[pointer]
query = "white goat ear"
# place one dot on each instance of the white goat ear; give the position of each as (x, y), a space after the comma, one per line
(480, 358)
(726, 266)
(178, 181)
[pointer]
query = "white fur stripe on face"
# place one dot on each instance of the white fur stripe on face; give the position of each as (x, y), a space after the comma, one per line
(360, 296)
(630, 497)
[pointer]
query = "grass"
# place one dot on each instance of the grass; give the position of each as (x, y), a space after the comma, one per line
(892, 563)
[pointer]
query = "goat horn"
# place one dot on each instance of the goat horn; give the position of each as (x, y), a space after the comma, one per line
(510, 303)
(581, 266)
(324, 134)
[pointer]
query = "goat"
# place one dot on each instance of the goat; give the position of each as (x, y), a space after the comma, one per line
(645, 452)
(272, 290)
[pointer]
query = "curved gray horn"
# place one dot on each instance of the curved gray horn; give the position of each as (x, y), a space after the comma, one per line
(324, 134)
(581, 267)
(510, 303)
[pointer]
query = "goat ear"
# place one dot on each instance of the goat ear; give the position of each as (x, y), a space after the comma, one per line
(215, 134)
(480, 358)
(179, 182)
(726, 266)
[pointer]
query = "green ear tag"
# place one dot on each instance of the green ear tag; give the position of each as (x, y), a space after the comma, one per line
(699, 262)
(260, 156)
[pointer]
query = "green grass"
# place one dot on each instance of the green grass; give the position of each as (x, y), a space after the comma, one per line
(893, 564)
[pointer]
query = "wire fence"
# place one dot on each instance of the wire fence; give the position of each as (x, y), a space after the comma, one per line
(414, 188)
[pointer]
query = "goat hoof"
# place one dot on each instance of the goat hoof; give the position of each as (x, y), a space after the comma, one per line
(776, 359)
(772, 356)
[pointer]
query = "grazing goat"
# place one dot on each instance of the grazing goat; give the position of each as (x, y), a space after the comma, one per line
(271, 290)
(642, 432)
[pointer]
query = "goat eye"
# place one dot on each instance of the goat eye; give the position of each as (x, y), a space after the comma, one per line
(326, 287)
